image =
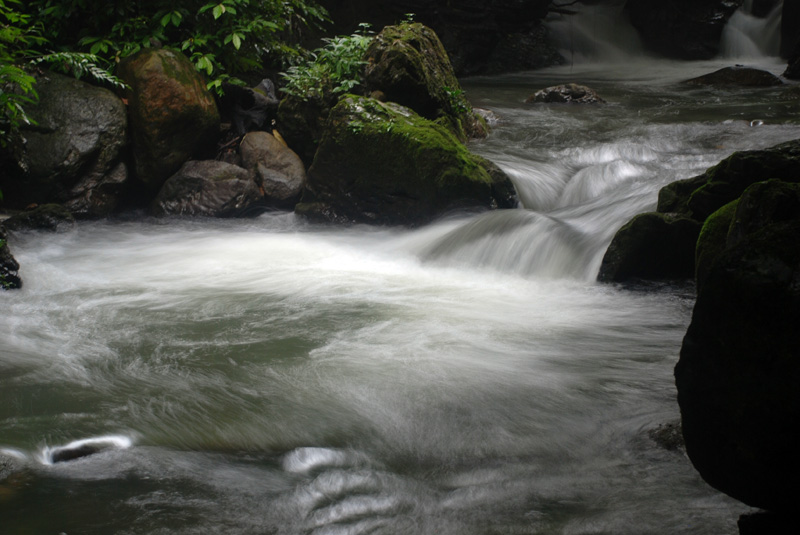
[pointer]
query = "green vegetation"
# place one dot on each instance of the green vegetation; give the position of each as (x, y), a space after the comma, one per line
(335, 68)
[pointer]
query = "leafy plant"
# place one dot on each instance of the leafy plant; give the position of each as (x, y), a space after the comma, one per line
(333, 69)
(457, 100)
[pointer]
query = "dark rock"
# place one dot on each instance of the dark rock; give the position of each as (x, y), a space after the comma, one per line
(73, 155)
(739, 369)
(668, 436)
(9, 268)
(381, 163)
(763, 523)
(792, 71)
(713, 240)
(790, 22)
(737, 76)
(249, 109)
(301, 123)
(566, 94)
(173, 115)
(209, 188)
(682, 29)
(479, 36)
(651, 246)
(409, 65)
(52, 217)
(8, 467)
(278, 170)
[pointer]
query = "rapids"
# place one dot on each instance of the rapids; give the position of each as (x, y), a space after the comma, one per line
(468, 377)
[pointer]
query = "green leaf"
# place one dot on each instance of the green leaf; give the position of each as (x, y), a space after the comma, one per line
(218, 10)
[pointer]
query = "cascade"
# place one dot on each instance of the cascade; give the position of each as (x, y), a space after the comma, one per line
(749, 36)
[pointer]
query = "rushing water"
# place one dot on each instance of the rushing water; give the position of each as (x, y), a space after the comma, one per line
(469, 377)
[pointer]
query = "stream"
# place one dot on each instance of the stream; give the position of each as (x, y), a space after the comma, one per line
(270, 376)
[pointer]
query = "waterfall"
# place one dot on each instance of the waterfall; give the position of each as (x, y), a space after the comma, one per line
(749, 36)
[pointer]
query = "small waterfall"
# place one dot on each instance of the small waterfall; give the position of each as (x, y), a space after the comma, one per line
(749, 36)
(597, 31)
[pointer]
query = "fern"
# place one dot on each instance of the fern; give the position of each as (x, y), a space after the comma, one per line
(80, 64)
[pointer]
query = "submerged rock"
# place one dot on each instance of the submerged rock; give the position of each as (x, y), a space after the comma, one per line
(209, 188)
(173, 114)
(566, 94)
(52, 217)
(651, 246)
(73, 154)
(382, 163)
(737, 76)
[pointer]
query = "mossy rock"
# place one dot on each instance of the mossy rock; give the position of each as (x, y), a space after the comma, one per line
(651, 246)
(382, 163)
(713, 240)
(409, 64)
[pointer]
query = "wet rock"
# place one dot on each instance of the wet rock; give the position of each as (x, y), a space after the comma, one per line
(792, 71)
(651, 246)
(668, 436)
(409, 65)
(73, 155)
(790, 23)
(51, 217)
(9, 268)
(301, 123)
(209, 188)
(173, 115)
(738, 371)
(737, 76)
(713, 240)
(249, 109)
(682, 29)
(382, 163)
(279, 171)
(764, 523)
(566, 94)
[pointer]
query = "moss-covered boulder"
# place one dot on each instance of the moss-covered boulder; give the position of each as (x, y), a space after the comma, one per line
(173, 115)
(739, 366)
(410, 66)
(651, 246)
(73, 154)
(209, 188)
(382, 163)
(49, 217)
(713, 240)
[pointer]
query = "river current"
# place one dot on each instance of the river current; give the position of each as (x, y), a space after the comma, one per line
(268, 376)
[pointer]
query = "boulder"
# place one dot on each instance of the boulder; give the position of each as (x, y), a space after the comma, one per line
(739, 368)
(737, 76)
(209, 188)
(792, 71)
(278, 170)
(651, 246)
(9, 268)
(50, 217)
(73, 154)
(382, 163)
(249, 109)
(566, 94)
(713, 240)
(301, 123)
(790, 23)
(409, 65)
(682, 29)
(173, 115)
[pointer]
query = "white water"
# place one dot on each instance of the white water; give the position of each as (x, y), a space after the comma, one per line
(469, 377)
(747, 36)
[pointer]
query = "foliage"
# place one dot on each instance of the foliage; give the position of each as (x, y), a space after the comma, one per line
(333, 69)
(225, 39)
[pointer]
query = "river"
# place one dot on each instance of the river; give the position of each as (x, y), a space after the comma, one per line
(268, 376)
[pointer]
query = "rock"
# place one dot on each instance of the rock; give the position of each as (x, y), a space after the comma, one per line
(790, 22)
(763, 523)
(480, 37)
(209, 188)
(9, 268)
(566, 94)
(651, 246)
(792, 71)
(52, 217)
(682, 29)
(249, 109)
(739, 369)
(8, 467)
(668, 436)
(409, 65)
(713, 240)
(278, 170)
(737, 76)
(173, 115)
(381, 163)
(73, 155)
(301, 123)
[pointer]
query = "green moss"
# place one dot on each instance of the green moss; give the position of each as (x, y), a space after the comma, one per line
(713, 240)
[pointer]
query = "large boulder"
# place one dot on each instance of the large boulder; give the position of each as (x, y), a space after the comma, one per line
(278, 170)
(9, 268)
(739, 366)
(173, 115)
(209, 188)
(737, 76)
(409, 65)
(74, 152)
(651, 246)
(682, 29)
(479, 36)
(382, 163)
